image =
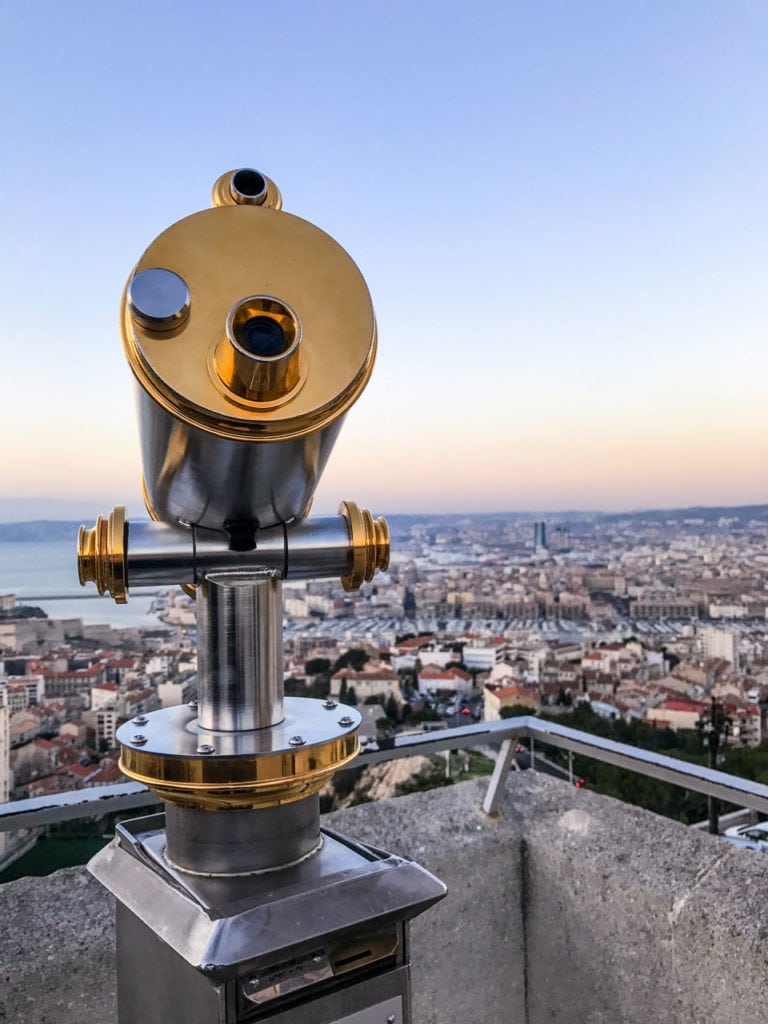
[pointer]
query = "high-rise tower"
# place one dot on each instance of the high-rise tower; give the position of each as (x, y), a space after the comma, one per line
(540, 536)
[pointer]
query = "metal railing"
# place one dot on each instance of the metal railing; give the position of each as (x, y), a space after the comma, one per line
(104, 800)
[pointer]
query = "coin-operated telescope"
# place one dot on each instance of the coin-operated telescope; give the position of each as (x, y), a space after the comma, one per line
(250, 333)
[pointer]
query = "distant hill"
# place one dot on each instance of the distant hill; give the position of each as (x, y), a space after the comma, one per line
(707, 513)
(39, 530)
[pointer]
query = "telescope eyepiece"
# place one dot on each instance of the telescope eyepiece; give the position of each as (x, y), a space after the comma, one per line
(258, 357)
(263, 337)
(248, 186)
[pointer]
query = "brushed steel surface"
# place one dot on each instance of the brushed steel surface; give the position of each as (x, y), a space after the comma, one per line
(157, 553)
(177, 731)
(195, 767)
(235, 842)
(193, 476)
(240, 650)
(229, 926)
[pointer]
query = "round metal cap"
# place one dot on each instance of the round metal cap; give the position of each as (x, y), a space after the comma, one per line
(158, 299)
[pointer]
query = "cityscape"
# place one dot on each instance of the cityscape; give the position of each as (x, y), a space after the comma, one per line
(643, 617)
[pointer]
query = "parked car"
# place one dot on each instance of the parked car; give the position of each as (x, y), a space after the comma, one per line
(749, 837)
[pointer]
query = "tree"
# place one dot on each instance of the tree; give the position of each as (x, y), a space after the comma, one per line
(426, 714)
(391, 709)
(295, 687)
(315, 666)
(351, 697)
(355, 658)
(320, 687)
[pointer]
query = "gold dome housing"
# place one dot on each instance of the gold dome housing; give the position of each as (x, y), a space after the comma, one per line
(250, 333)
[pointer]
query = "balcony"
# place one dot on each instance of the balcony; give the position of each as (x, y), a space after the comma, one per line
(563, 906)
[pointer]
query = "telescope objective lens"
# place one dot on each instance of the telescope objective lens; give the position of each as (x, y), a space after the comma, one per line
(262, 337)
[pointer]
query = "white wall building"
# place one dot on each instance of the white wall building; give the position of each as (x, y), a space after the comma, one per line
(104, 696)
(432, 681)
(482, 658)
(173, 694)
(720, 643)
(426, 656)
(372, 681)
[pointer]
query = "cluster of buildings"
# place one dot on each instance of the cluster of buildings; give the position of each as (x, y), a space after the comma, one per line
(64, 690)
(604, 570)
(646, 618)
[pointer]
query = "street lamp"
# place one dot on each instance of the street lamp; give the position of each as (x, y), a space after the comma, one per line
(713, 727)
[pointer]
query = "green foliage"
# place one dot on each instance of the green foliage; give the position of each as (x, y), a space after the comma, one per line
(515, 710)
(431, 777)
(23, 611)
(652, 794)
(344, 782)
(295, 687)
(426, 714)
(353, 658)
(317, 665)
(320, 687)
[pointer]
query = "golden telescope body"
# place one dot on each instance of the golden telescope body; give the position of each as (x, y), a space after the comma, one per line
(250, 333)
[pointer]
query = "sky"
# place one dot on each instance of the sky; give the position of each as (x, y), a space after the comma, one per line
(561, 211)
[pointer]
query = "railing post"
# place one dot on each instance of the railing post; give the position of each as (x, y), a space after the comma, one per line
(570, 766)
(533, 753)
(500, 772)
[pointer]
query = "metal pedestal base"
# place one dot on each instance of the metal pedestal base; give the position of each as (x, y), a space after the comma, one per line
(323, 941)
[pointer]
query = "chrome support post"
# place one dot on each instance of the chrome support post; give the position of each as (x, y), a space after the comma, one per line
(241, 842)
(240, 622)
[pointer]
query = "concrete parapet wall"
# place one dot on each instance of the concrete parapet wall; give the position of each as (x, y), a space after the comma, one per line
(569, 907)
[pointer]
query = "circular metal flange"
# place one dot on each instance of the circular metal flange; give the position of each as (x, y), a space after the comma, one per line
(101, 555)
(369, 538)
(258, 768)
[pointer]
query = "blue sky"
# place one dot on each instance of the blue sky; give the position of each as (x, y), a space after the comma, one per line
(561, 211)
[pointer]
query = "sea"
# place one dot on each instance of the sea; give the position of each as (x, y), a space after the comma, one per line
(44, 574)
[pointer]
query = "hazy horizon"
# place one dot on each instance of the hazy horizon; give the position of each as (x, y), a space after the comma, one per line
(23, 510)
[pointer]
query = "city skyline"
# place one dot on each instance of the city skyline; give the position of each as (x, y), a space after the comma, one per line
(560, 214)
